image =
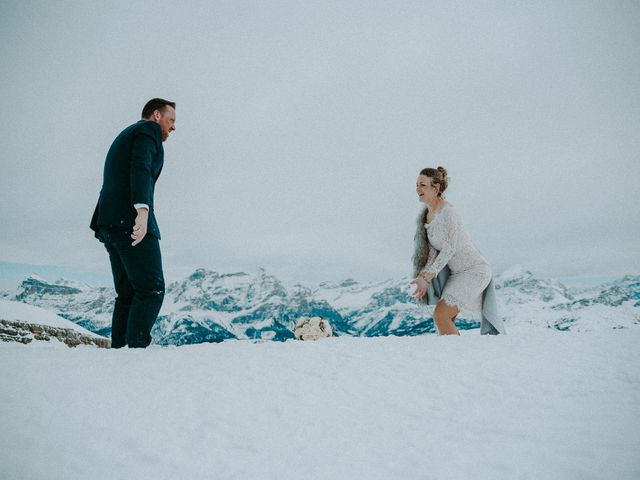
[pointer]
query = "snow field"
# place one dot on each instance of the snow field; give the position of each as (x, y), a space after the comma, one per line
(535, 404)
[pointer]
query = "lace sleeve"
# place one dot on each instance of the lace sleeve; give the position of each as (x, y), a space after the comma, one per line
(430, 259)
(452, 229)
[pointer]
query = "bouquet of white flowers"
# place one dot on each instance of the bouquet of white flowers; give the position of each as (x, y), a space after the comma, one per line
(312, 328)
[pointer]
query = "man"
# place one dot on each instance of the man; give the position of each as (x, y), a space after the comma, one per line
(125, 223)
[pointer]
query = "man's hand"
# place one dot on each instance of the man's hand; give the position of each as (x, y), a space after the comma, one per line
(140, 227)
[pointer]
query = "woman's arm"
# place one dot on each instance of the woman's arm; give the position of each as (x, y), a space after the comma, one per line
(451, 224)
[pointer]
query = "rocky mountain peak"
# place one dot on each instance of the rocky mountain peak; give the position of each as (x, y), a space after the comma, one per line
(523, 282)
(38, 286)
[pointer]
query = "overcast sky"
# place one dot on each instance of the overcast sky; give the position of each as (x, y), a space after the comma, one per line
(301, 127)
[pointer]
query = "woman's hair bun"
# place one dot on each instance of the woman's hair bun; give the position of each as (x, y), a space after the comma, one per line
(438, 177)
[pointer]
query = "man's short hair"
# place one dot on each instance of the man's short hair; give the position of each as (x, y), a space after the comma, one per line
(155, 104)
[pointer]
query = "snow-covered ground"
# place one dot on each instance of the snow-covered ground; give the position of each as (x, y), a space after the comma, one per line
(534, 404)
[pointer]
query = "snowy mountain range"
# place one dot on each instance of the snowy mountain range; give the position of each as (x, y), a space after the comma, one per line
(208, 306)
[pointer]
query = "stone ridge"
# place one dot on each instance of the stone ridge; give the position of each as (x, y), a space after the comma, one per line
(23, 332)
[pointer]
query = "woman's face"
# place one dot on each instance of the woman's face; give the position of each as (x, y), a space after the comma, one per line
(425, 189)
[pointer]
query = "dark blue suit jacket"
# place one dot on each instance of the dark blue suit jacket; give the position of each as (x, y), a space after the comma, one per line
(132, 166)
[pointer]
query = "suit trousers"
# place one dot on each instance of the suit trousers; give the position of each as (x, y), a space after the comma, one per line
(139, 283)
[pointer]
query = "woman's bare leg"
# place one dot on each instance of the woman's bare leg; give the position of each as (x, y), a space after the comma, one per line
(444, 316)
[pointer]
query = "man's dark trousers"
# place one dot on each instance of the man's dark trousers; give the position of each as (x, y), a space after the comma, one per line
(139, 283)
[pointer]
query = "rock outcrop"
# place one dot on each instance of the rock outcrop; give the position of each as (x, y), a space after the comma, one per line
(23, 332)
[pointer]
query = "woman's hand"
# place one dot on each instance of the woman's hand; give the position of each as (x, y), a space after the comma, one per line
(421, 286)
(427, 276)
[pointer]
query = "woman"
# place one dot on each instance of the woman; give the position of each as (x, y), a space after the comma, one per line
(442, 240)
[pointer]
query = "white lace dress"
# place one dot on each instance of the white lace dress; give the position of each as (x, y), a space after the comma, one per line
(449, 244)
